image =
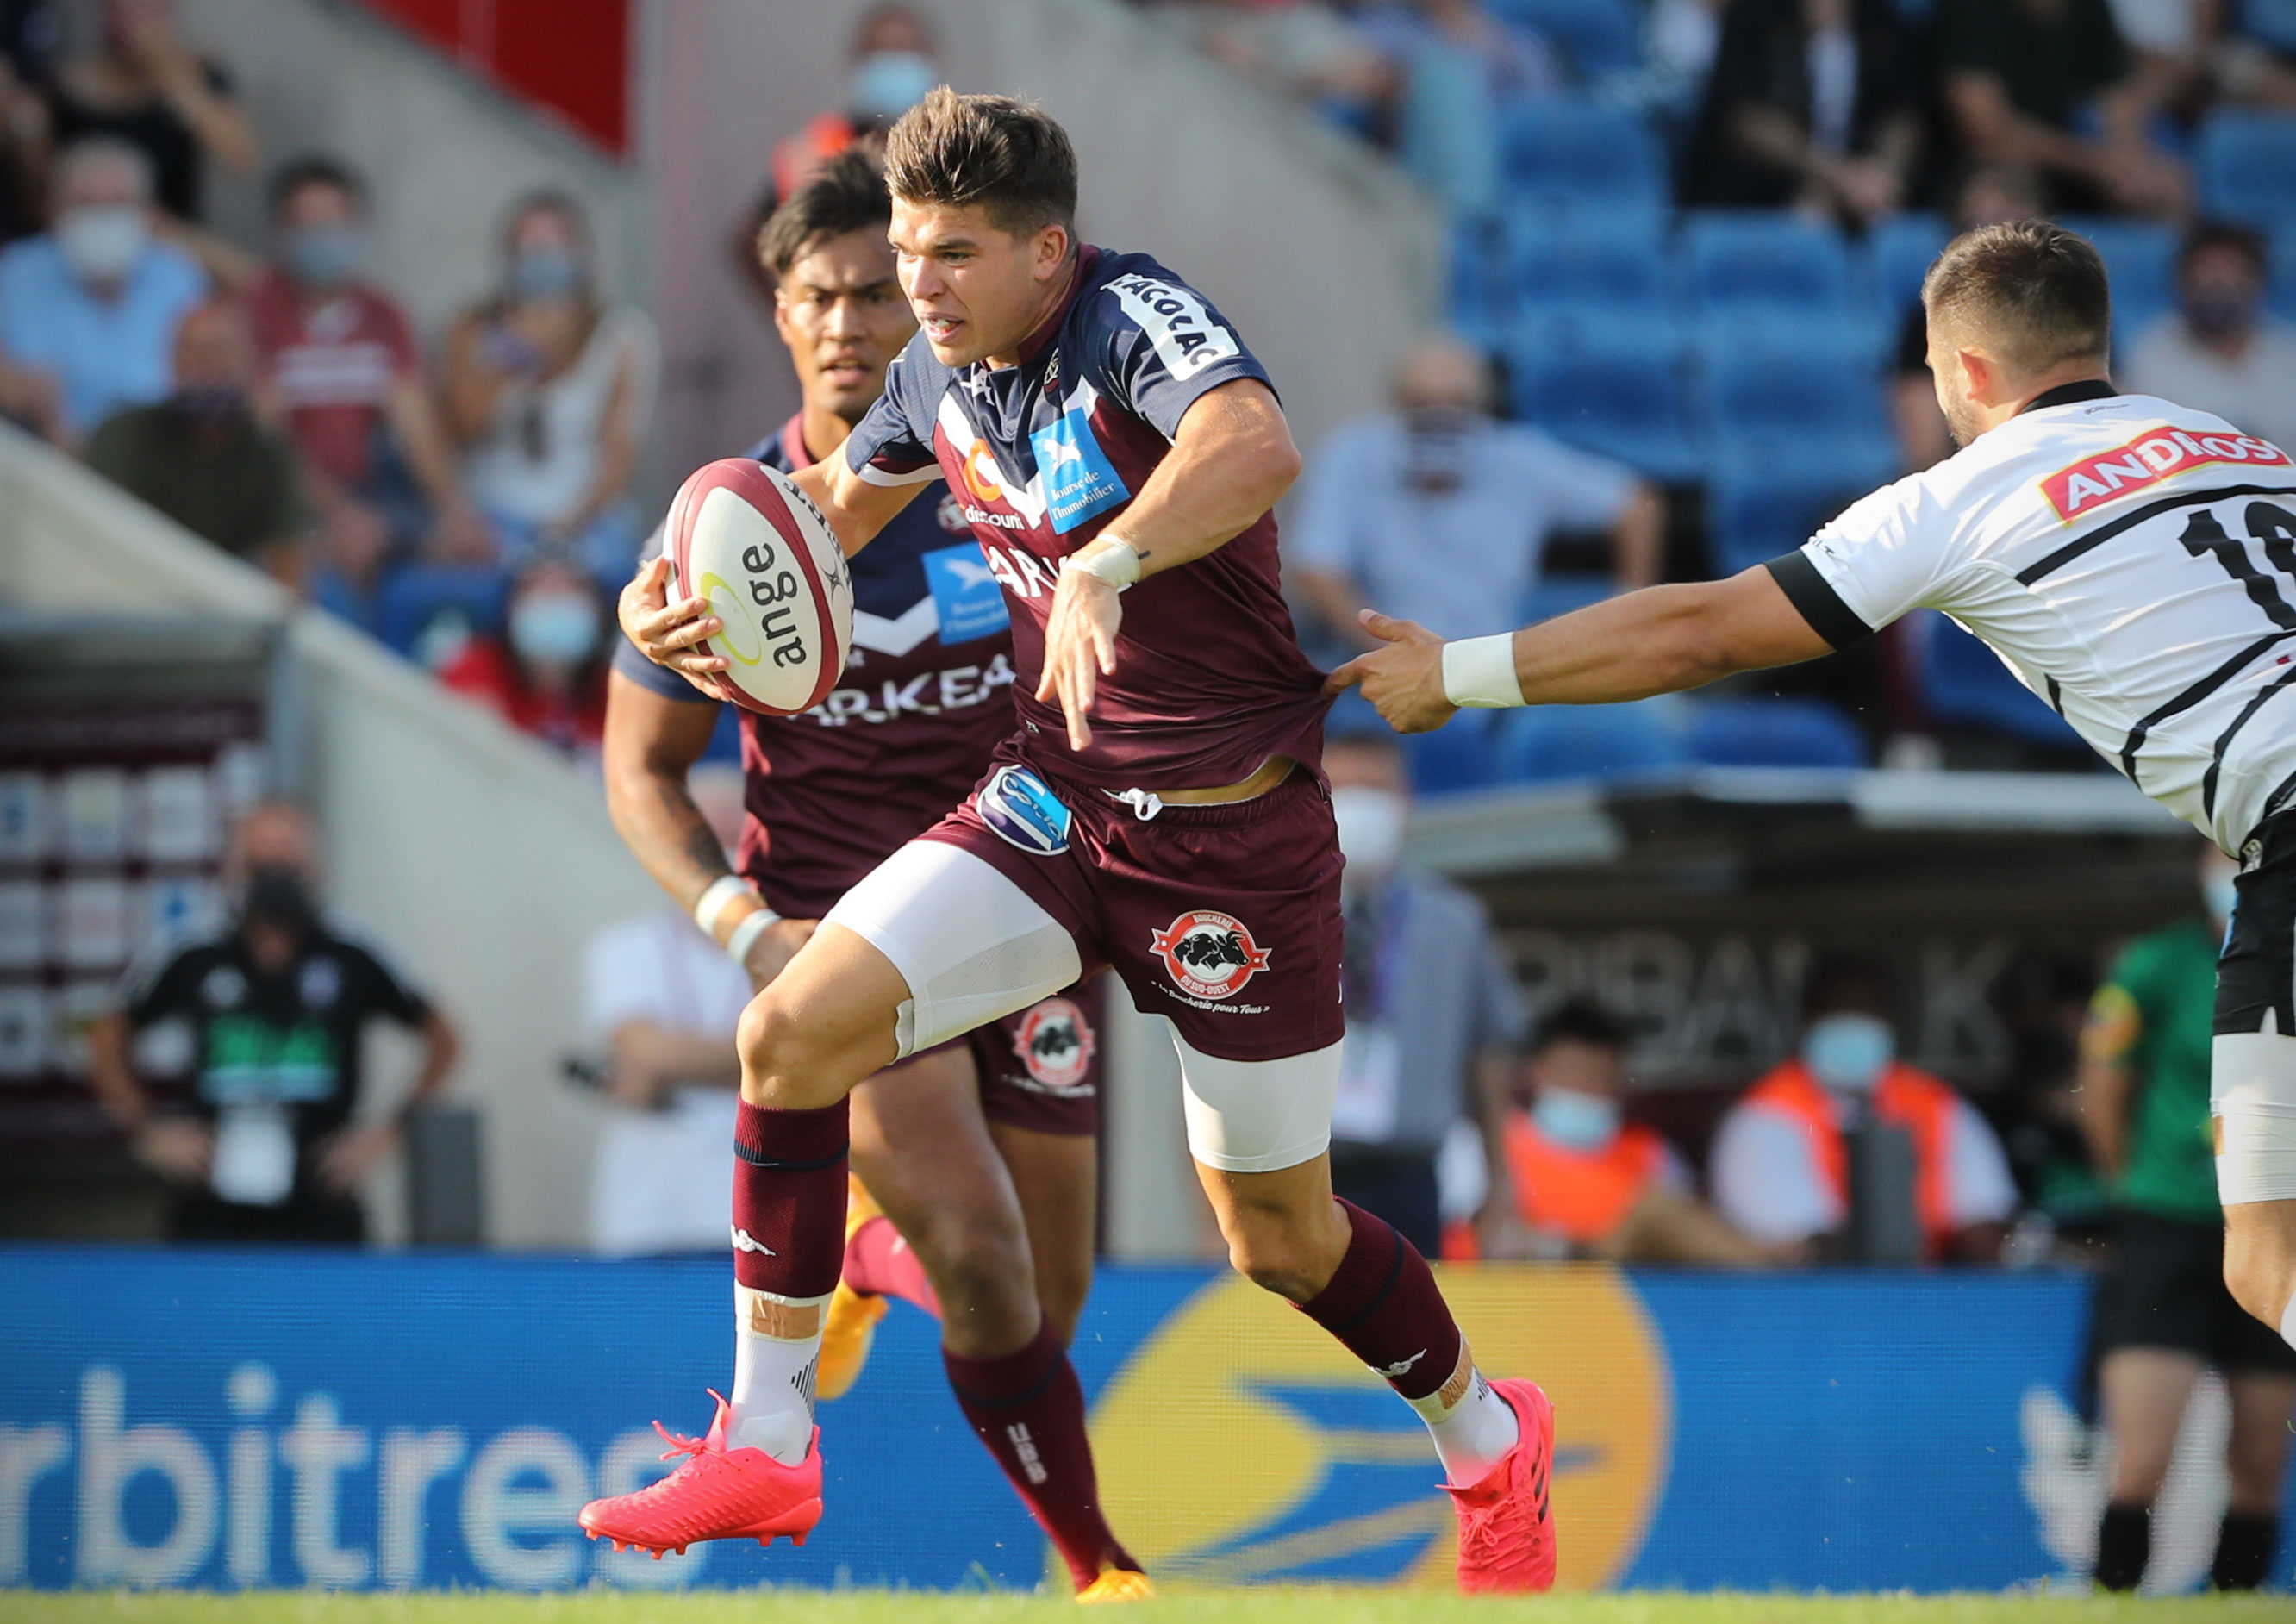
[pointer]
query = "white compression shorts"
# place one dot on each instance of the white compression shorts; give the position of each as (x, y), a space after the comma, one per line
(973, 947)
(2252, 1100)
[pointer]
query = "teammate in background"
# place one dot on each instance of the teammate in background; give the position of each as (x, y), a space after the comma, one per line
(2132, 560)
(1160, 810)
(980, 1149)
(2162, 1310)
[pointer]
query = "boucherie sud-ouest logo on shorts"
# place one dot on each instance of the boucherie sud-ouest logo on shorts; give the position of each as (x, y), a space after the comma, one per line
(1208, 953)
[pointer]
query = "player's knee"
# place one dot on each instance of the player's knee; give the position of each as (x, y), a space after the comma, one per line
(980, 1270)
(1272, 1257)
(784, 1065)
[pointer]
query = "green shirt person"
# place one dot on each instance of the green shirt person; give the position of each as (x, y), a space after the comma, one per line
(2162, 1310)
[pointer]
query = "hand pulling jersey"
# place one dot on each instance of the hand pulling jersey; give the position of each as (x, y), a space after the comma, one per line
(1210, 681)
(2131, 561)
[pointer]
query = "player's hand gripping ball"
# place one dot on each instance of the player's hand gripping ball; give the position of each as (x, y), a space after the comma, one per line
(752, 545)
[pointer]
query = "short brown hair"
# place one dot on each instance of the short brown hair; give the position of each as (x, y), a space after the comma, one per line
(844, 194)
(2036, 291)
(1005, 155)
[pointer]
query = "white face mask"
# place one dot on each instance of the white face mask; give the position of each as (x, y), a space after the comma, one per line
(1849, 1053)
(103, 241)
(1370, 828)
(1574, 1120)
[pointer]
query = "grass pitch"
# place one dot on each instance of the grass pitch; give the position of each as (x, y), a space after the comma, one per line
(1300, 1606)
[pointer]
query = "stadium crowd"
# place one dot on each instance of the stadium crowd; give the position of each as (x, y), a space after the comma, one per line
(1687, 241)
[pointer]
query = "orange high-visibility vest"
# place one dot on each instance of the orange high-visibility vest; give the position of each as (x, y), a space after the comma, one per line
(1911, 1099)
(1582, 1195)
(796, 157)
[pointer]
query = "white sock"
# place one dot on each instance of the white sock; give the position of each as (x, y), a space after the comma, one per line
(776, 1344)
(1473, 1428)
(2288, 1324)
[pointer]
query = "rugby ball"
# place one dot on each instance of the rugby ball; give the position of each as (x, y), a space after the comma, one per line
(744, 538)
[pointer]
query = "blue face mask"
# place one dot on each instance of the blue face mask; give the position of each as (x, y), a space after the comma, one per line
(326, 256)
(887, 84)
(545, 273)
(1849, 1053)
(1574, 1120)
(554, 628)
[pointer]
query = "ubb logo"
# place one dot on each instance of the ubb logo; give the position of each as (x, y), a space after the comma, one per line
(1057, 1043)
(1303, 1466)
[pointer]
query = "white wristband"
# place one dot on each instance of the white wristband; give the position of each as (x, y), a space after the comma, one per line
(722, 890)
(745, 934)
(1479, 673)
(1107, 560)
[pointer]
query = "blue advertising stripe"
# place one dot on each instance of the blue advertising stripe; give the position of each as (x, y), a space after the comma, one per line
(265, 1418)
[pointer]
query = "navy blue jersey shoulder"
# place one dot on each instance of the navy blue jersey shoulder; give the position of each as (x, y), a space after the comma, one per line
(925, 556)
(1134, 339)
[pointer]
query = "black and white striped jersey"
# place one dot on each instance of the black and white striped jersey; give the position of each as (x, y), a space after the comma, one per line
(2131, 561)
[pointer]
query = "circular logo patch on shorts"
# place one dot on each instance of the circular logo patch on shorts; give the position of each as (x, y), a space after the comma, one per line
(1209, 955)
(1055, 1042)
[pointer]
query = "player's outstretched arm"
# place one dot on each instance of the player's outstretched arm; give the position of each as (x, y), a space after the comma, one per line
(1659, 640)
(1232, 460)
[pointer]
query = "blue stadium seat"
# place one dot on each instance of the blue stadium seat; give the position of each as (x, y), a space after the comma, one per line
(1547, 743)
(2271, 21)
(1812, 408)
(1560, 150)
(724, 748)
(1772, 733)
(1600, 36)
(425, 610)
(2281, 267)
(1757, 508)
(1962, 683)
(1591, 267)
(2140, 256)
(2247, 164)
(1560, 594)
(1736, 259)
(335, 595)
(1616, 389)
(1898, 251)
(1453, 759)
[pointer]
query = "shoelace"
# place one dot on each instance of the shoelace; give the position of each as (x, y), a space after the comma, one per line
(679, 1444)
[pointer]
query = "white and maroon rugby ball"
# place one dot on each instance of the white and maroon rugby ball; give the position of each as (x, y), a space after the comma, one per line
(749, 542)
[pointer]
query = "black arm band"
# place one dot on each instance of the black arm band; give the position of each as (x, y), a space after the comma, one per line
(1815, 596)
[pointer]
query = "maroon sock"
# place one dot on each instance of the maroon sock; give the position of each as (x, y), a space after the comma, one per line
(788, 1199)
(1383, 1305)
(1028, 1408)
(879, 1262)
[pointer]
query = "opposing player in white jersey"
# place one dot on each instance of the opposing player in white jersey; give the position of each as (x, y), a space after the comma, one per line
(2132, 560)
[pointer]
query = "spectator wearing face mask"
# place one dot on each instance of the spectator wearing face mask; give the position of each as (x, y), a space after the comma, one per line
(548, 676)
(201, 457)
(2163, 1313)
(895, 62)
(1780, 1167)
(1583, 1181)
(550, 392)
(1440, 513)
(2221, 351)
(341, 369)
(91, 305)
(1433, 1012)
(234, 1062)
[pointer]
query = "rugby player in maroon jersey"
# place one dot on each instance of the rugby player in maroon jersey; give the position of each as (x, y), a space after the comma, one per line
(1161, 811)
(981, 1151)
